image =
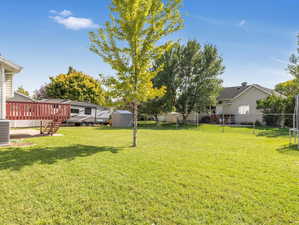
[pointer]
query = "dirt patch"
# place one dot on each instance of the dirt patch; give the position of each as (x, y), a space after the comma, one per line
(18, 144)
(24, 133)
(28, 133)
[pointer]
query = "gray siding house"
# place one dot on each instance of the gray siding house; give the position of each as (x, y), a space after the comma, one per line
(241, 102)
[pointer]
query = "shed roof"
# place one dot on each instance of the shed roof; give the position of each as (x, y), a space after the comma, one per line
(122, 112)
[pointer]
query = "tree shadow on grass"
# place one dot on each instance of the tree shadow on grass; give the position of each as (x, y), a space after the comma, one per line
(17, 158)
(289, 149)
(153, 126)
(166, 126)
(272, 132)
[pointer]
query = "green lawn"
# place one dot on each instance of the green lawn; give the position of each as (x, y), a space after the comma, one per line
(177, 176)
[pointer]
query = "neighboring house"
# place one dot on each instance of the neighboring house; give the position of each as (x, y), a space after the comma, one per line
(240, 102)
(83, 112)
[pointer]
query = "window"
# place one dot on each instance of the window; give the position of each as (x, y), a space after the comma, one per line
(244, 109)
(87, 111)
(75, 111)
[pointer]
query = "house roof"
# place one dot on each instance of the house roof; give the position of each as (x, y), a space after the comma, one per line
(18, 97)
(73, 103)
(230, 93)
(84, 104)
(10, 66)
(54, 101)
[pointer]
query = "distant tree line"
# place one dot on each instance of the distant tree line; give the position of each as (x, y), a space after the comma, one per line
(74, 85)
(22, 91)
(191, 76)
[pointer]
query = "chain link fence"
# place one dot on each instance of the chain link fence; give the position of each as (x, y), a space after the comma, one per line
(256, 123)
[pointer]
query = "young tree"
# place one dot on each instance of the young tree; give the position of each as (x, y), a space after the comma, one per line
(199, 72)
(23, 91)
(294, 63)
(130, 44)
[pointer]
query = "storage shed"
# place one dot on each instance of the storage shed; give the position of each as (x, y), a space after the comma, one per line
(122, 119)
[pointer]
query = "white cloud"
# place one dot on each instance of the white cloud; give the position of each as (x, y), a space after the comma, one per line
(53, 11)
(71, 22)
(242, 23)
(64, 13)
(74, 23)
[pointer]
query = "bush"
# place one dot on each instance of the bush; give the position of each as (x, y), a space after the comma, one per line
(258, 123)
(277, 105)
(205, 119)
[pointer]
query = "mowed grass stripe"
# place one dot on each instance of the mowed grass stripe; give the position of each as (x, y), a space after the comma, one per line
(175, 176)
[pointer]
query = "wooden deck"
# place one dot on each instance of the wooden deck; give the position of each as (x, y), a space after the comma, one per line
(37, 111)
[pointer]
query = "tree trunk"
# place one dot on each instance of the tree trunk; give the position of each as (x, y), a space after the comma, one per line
(135, 121)
(157, 120)
(185, 116)
(283, 122)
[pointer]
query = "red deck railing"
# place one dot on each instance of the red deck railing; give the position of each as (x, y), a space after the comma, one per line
(37, 111)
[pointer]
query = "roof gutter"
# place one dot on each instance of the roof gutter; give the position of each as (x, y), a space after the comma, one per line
(10, 66)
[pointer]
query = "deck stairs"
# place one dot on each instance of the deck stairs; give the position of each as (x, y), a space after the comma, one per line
(51, 127)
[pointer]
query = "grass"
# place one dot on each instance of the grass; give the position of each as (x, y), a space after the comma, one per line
(180, 176)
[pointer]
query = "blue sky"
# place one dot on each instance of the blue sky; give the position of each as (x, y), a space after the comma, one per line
(254, 37)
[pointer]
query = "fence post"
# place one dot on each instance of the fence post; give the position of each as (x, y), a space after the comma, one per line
(223, 122)
(41, 127)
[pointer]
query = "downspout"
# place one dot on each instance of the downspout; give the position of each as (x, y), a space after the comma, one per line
(95, 116)
(3, 93)
(4, 124)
